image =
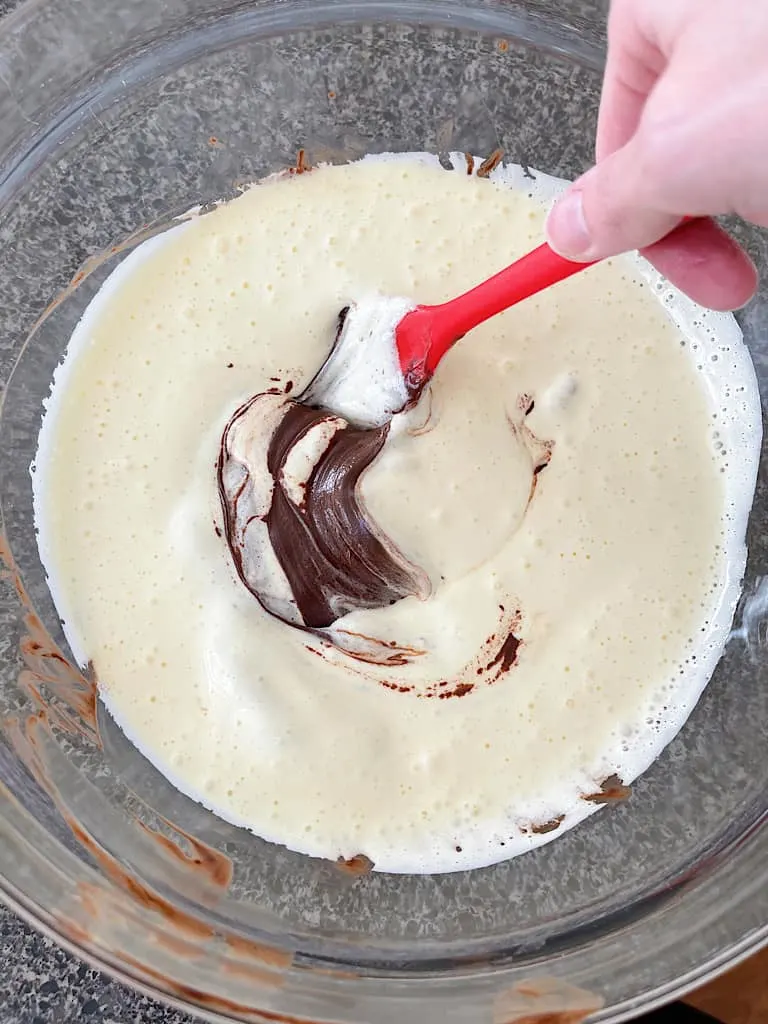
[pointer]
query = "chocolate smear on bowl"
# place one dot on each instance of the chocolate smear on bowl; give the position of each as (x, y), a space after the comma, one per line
(547, 826)
(490, 163)
(612, 790)
(356, 866)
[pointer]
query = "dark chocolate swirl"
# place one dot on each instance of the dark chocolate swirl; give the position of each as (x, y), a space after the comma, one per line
(332, 558)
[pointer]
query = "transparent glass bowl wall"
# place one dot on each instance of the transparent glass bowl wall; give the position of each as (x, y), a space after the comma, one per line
(113, 118)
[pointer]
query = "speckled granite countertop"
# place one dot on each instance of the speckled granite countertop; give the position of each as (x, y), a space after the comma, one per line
(41, 984)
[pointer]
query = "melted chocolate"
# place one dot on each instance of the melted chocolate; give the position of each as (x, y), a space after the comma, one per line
(548, 826)
(506, 656)
(490, 163)
(357, 866)
(333, 556)
(612, 790)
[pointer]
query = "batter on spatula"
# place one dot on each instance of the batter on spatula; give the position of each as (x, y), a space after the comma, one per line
(566, 506)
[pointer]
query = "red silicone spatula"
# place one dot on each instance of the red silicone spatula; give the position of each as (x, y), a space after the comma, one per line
(425, 334)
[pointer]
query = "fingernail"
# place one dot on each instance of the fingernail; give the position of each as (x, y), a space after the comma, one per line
(567, 230)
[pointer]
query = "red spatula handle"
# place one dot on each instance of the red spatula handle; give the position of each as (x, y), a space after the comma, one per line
(425, 334)
(448, 322)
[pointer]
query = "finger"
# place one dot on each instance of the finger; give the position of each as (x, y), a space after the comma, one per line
(612, 208)
(703, 261)
(633, 66)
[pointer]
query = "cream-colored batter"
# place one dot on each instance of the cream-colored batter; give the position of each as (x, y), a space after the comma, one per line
(619, 576)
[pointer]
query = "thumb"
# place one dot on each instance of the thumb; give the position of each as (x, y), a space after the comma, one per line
(611, 209)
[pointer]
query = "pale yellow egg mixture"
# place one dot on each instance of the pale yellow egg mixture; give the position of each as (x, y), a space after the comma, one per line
(618, 574)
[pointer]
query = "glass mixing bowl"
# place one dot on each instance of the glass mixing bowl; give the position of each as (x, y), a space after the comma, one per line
(116, 115)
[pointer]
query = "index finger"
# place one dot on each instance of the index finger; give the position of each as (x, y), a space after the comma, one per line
(633, 66)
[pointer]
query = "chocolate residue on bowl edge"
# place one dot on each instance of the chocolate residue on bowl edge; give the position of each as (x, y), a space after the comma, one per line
(612, 790)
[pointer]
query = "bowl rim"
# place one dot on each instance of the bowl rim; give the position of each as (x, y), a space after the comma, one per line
(491, 18)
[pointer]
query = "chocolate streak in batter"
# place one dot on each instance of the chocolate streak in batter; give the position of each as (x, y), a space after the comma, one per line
(334, 558)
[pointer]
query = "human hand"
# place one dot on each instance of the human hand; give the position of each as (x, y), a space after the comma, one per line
(683, 130)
